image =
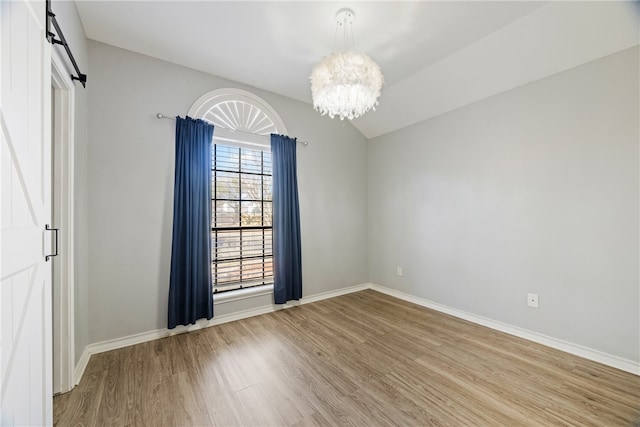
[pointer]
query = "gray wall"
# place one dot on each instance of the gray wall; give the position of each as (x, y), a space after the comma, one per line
(69, 21)
(533, 190)
(130, 167)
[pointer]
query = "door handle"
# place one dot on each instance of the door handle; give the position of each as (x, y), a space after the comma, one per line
(55, 230)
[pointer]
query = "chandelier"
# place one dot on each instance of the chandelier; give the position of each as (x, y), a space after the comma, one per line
(346, 83)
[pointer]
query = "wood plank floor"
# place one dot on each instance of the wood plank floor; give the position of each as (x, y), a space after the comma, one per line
(360, 359)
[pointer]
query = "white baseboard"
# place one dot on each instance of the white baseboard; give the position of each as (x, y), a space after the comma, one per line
(333, 294)
(568, 347)
(80, 367)
(116, 343)
(578, 350)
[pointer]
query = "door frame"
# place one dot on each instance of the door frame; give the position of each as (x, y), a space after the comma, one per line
(63, 142)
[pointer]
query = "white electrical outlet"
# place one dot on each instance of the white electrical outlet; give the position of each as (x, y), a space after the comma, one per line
(399, 272)
(532, 300)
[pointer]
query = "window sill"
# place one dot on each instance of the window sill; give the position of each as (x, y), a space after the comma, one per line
(241, 294)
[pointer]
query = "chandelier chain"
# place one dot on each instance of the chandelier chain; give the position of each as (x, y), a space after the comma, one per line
(353, 39)
(345, 41)
(347, 34)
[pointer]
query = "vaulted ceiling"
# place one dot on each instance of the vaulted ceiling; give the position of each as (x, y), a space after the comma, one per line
(436, 56)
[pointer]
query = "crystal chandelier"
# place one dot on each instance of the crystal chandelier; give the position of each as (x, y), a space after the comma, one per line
(346, 83)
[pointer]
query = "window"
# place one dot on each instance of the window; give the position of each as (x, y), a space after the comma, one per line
(241, 218)
(241, 206)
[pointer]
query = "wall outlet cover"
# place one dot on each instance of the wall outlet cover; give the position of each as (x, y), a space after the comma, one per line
(532, 300)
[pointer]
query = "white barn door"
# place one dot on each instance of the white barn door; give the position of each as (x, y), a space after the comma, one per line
(25, 209)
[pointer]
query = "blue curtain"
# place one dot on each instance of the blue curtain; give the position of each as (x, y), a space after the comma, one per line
(190, 293)
(287, 254)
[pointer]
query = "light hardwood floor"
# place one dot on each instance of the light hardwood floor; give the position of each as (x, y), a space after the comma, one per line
(359, 359)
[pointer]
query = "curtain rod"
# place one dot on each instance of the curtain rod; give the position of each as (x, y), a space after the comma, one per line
(162, 116)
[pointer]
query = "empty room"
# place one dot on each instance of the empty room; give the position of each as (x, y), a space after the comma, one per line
(316, 213)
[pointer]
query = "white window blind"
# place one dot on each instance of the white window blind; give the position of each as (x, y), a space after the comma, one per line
(241, 207)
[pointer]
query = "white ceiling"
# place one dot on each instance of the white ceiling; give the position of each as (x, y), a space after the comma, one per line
(435, 56)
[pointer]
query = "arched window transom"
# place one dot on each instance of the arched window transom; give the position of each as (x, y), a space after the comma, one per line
(232, 110)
